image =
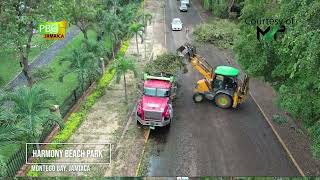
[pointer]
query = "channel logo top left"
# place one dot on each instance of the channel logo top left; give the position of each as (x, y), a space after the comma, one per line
(52, 30)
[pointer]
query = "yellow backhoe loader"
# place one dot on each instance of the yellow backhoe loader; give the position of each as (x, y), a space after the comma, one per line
(221, 85)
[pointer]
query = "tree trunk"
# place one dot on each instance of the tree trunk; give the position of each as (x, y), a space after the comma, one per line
(24, 56)
(85, 34)
(103, 67)
(113, 56)
(230, 6)
(125, 88)
(26, 70)
(137, 43)
(145, 50)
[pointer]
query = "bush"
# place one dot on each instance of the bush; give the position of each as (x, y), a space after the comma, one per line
(220, 33)
(33, 173)
(279, 119)
(220, 9)
(123, 49)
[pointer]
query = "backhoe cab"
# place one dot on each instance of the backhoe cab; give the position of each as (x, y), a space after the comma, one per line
(221, 85)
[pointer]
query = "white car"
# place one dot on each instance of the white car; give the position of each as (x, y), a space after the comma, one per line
(183, 7)
(176, 24)
(187, 2)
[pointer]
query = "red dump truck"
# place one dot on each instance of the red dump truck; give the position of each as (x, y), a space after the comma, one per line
(154, 108)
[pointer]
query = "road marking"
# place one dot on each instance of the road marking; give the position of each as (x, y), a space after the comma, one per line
(279, 138)
(146, 134)
(270, 124)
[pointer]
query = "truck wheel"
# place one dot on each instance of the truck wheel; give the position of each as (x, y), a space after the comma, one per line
(198, 97)
(223, 100)
(169, 125)
(138, 123)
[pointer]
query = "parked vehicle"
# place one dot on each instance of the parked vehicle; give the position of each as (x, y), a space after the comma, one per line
(176, 24)
(183, 7)
(155, 105)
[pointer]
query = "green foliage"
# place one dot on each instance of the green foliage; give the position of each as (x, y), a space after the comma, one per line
(279, 119)
(219, 32)
(137, 29)
(19, 18)
(70, 81)
(71, 125)
(84, 63)
(34, 173)
(82, 13)
(75, 119)
(291, 63)
(42, 73)
(166, 63)
(220, 8)
(122, 65)
(31, 108)
(123, 49)
(1, 81)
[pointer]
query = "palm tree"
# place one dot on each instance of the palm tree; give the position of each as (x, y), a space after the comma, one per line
(84, 63)
(31, 107)
(137, 29)
(121, 67)
(145, 18)
(114, 29)
(9, 134)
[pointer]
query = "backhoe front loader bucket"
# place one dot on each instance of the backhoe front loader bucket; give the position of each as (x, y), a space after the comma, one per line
(187, 50)
(243, 89)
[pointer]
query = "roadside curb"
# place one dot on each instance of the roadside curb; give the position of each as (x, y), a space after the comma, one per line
(146, 135)
(278, 137)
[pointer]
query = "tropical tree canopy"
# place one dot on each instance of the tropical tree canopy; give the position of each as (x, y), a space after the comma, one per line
(121, 66)
(292, 62)
(29, 109)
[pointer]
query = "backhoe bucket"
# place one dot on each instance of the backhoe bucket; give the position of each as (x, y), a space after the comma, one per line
(186, 50)
(243, 89)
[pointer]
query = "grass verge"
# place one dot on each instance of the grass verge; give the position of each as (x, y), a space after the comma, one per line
(10, 65)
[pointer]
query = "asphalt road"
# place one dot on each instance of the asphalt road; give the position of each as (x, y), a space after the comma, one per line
(207, 141)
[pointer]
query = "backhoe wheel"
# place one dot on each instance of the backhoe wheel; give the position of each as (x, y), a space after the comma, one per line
(198, 97)
(223, 100)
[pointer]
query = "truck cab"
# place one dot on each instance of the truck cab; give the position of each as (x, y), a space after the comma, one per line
(154, 108)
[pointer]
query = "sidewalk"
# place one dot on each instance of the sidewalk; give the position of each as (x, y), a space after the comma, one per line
(293, 137)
